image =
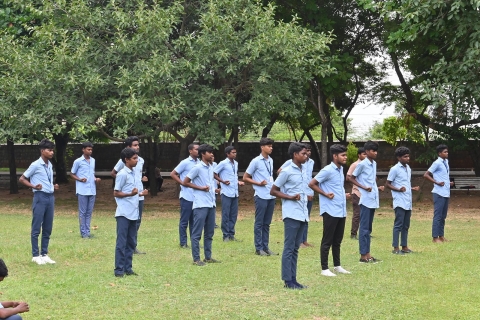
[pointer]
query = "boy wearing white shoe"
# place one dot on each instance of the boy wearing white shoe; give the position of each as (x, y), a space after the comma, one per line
(328, 183)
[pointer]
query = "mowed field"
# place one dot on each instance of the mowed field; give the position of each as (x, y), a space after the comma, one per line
(437, 281)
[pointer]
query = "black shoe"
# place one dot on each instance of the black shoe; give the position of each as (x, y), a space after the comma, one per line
(119, 275)
(292, 285)
(271, 253)
(211, 260)
(298, 284)
(184, 246)
(216, 226)
(226, 239)
(399, 252)
(199, 263)
(131, 273)
(261, 253)
(374, 260)
(138, 251)
(232, 238)
(354, 236)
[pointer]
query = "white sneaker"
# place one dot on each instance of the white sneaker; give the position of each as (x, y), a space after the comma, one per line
(328, 273)
(339, 269)
(38, 260)
(46, 259)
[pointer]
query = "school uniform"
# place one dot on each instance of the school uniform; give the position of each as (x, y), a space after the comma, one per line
(43, 204)
(186, 200)
(85, 191)
(440, 170)
(260, 169)
(228, 171)
(334, 212)
(355, 202)
(203, 209)
(400, 176)
(127, 215)
(292, 181)
(366, 175)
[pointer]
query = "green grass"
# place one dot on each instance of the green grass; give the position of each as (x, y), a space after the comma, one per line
(435, 282)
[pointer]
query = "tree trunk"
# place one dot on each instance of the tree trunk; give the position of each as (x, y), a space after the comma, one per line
(322, 105)
(151, 164)
(12, 166)
(235, 137)
(269, 126)
(61, 142)
(474, 151)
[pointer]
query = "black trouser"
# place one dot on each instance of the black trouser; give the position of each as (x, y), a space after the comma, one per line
(333, 229)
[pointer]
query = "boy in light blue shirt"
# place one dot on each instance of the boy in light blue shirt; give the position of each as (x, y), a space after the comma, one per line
(83, 172)
(439, 175)
(365, 178)
(291, 187)
(399, 181)
(260, 174)
(329, 184)
(227, 174)
(134, 143)
(39, 177)
(126, 196)
(203, 183)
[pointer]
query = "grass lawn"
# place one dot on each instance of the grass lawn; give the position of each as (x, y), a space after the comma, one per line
(437, 281)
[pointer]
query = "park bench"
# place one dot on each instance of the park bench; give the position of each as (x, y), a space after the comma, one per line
(466, 183)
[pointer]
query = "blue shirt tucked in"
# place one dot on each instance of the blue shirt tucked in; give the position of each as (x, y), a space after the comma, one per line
(202, 175)
(126, 206)
(331, 180)
(40, 173)
(228, 171)
(183, 168)
(400, 176)
(366, 174)
(262, 169)
(307, 170)
(85, 169)
(441, 172)
(138, 169)
(291, 181)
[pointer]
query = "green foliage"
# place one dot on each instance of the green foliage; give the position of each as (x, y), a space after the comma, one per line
(352, 155)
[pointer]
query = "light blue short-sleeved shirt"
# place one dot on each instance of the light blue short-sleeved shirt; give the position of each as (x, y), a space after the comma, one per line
(331, 180)
(85, 169)
(366, 175)
(183, 168)
(401, 176)
(138, 169)
(262, 169)
(128, 206)
(228, 171)
(202, 175)
(441, 172)
(307, 170)
(291, 181)
(40, 173)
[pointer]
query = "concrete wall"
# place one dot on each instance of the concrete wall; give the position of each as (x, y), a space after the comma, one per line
(106, 155)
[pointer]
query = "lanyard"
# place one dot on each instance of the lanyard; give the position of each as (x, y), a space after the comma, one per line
(446, 166)
(233, 167)
(269, 167)
(48, 173)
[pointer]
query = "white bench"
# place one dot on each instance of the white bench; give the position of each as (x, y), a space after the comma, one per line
(466, 183)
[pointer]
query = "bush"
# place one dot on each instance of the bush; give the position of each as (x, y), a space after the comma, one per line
(351, 153)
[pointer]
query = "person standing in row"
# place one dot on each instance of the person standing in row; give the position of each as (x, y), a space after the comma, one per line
(227, 174)
(39, 177)
(356, 195)
(291, 187)
(329, 184)
(439, 175)
(365, 178)
(260, 174)
(203, 183)
(83, 172)
(186, 194)
(127, 214)
(308, 166)
(133, 143)
(399, 181)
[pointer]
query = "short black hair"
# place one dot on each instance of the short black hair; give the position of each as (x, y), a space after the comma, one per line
(192, 145)
(360, 150)
(295, 147)
(336, 149)
(203, 148)
(3, 269)
(441, 147)
(229, 149)
(46, 144)
(370, 145)
(130, 140)
(127, 153)
(266, 142)
(401, 151)
(307, 146)
(87, 144)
